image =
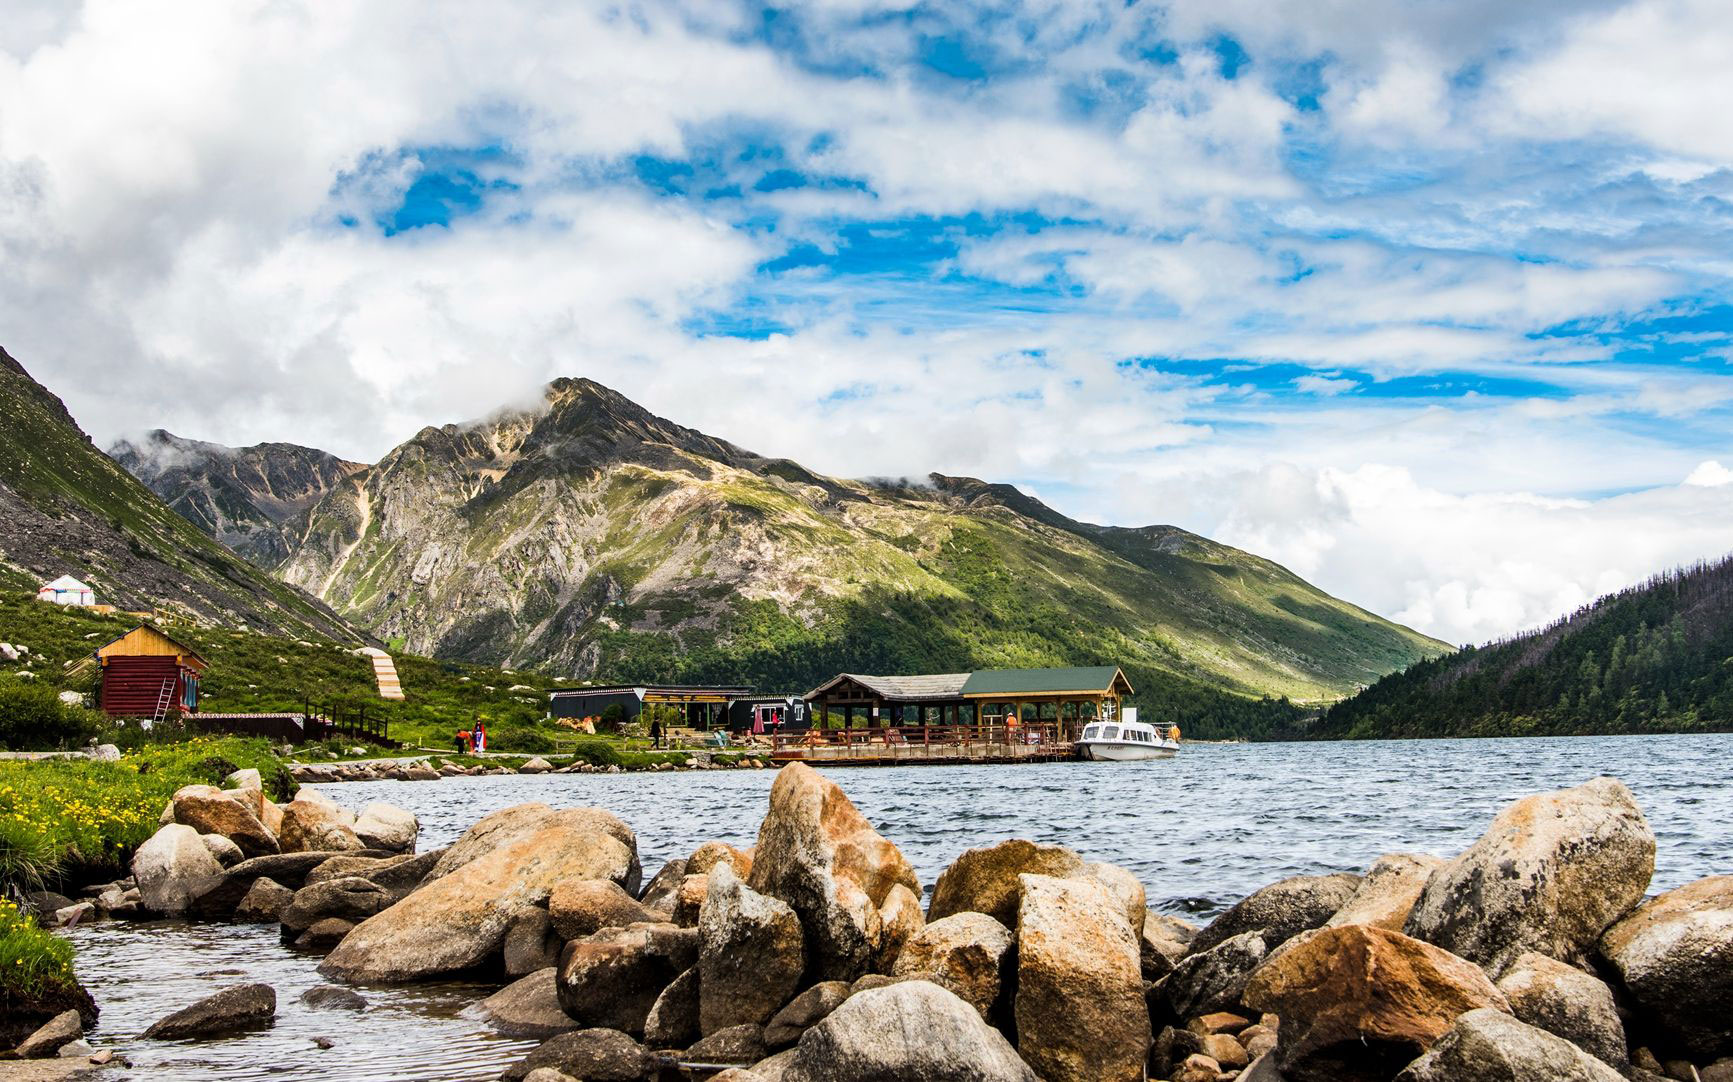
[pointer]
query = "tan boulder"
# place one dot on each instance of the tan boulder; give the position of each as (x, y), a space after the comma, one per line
(272, 816)
(1080, 1006)
(387, 827)
(1387, 894)
(1551, 873)
(1164, 941)
(251, 799)
(173, 867)
(1280, 911)
(528, 1007)
(510, 825)
(689, 899)
(582, 907)
(208, 810)
(612, 980)
(820, 855)
(967, 953)
(1568, 1003)
(751, 954)
(984, 880)
(1675, 957)
(461, 920)
(314, 823)
(1487, 1045)
(1357, 1002)
(709, 854)
(1124, 886)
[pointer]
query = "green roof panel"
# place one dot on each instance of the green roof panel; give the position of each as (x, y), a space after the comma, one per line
(1037, 681)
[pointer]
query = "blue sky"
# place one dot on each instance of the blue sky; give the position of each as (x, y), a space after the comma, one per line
(1429, 301)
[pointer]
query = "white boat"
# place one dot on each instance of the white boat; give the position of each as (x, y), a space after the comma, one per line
(1124, 740)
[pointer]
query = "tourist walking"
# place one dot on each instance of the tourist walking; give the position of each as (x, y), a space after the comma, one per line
(655, 732)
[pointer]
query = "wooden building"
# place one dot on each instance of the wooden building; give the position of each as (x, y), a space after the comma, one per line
(1064, 698)
(146, 674)
(700, 706)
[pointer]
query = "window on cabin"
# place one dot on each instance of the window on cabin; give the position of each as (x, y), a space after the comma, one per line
(1110, 733)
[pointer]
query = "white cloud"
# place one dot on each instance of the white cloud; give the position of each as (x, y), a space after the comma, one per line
(1710, 474)
(1324, 385)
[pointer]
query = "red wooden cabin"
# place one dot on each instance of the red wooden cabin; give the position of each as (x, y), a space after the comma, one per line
(146, 674)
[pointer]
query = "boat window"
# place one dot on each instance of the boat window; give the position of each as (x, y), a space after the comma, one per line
(1090, 732)
(1111, 733)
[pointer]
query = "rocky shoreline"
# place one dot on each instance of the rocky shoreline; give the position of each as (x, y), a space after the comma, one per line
(424, 770)
(1534, 954)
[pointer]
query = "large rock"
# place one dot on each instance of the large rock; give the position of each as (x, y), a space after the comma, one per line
(509, 826)
(1280, 911)
(531, 944)
(264, 902)
(1165, 940)
(661, 891)
(1214, 980)
(1487, 1045)
(288, 869)
(1388, 893)
(673, 1018)
(593, 1055)
(241, 1007)
(397, 874)
(207, 810)
(805, 1011)
(742, 1044)
(1552, 873)
(312, 822)
(613, 978)
(1358, 1002)
(854, 891)
(459, 922)
(388, 827)
(751, 953)
(710, 854)
(528, 1007)
(248, 778)
(52, 1036)
(351, 899)
(173, 867)
(1122, 886)
(1080, 1007)
(1675, 957)
(984, 880)
(967, 953)
(227, 853)
(582, 907)
(1568, 1003)
(905, 1031)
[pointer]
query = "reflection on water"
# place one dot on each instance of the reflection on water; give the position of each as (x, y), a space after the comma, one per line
(1201, 831)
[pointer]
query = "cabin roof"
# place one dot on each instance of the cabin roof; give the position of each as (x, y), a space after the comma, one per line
(1093, 679)
(901, 688)
(148, 641)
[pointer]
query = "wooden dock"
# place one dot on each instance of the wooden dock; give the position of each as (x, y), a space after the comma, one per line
(923, 745)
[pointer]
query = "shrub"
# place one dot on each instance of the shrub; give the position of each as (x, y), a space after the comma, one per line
(519, 738)
(33, 718)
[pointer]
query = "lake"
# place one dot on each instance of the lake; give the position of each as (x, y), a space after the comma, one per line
(1201, 831)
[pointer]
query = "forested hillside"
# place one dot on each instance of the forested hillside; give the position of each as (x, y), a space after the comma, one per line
(1654, 658)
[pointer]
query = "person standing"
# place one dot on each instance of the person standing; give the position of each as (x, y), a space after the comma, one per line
(655, 732)
(478, 739)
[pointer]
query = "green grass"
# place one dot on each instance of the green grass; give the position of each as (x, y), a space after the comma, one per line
(35, 964)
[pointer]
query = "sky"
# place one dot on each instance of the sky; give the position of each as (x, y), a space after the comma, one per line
(1431, 302)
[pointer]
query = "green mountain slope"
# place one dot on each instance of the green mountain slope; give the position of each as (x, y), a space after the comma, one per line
(1654, 658)
(597, 540)
(66, 508)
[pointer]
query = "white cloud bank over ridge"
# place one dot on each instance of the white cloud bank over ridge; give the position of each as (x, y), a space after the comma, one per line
(1384, 305)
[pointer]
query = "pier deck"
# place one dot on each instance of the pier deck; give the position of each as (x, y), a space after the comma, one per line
(923, 745)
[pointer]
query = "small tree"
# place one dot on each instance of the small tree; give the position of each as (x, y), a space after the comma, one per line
(613, 718)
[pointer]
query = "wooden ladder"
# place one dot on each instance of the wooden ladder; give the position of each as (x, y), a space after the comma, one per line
(164, 697)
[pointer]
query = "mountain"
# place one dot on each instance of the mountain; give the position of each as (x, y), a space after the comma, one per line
(241, 496)
(1654, 658)
(591, 538)
(66, 508)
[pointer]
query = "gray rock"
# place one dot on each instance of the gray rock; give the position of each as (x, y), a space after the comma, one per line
(531, 944)
(228, 854)
(351, 899)
(673, 1018)
(594, 1055)
(968, 953)
(264, 902)
(661, 892)
(984, 880)
(1487, 1045)
(1214, 980)
(386, 826)
(908, 1030)
(1280, 911)
(329, 997)
(173, 867)
(805, 1011)
(612, 979)
(241, 1007)
(324, 934)
(751, 953)
(1675, 957)
(1551, 873)
(50, 1038)
(736, 1044)
(527, 1007)
(1568, 1003)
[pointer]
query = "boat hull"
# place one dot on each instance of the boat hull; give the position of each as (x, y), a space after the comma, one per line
(1115, 751)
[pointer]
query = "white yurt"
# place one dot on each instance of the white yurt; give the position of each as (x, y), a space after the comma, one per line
(67, 590)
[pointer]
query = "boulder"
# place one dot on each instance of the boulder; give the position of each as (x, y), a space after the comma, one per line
(388, 827)
(529, 1007)
(968, 953)
(741, 1044)
(1551, 873)
(1487, 1045)
(593, 1055)
(659, 895)
(1165, 940)
(351, 899)
(1171, 1049)
(264, 902)
(102, 753)
(459, 921)
(613, 978)
(908, 1030)
(228, 854)
(673, 1018)
(323, 934)
(1568, 1003)
(1357, 1002)
(313, 823)
(509, 826)
(1675, 958)
(1214, 980)
(803, 1012)
(1123, 886)
(248, 778)
(173, 867)
(751, 953)
(1226, 1051)
(1280, 911)
(582, 907)
(51, 1037)
(289, 869)
(397, 874)
(530, 944)
(1079, 1006)
(1197, 1068)
(536, 765)
(710, 854)
(689, 900)
(329, 997)
(984, 880)
(232, 1010)
(819, 854)
(1387, 894)
(207, 810)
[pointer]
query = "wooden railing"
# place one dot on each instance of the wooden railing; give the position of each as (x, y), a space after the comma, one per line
(328, 722)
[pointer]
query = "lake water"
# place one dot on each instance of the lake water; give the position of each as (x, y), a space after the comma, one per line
(1201, 831)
